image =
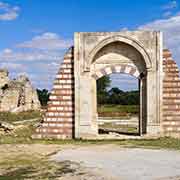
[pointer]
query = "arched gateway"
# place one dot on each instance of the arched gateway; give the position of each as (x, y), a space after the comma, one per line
(72, 110)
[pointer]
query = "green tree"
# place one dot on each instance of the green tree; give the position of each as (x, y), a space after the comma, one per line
(117, 96)
(43, 96)
(132, 97)
(115, 90)
(114, 95)
(102, 92)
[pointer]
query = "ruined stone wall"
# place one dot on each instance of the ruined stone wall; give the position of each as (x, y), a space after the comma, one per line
(59, 119)
(4, 79)
(17, 95)
(171, 96)
(9, 100)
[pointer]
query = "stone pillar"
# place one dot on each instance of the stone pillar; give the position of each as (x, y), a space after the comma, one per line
(152, 95)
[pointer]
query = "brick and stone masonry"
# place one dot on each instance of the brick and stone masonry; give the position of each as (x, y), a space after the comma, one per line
(59, 119)
(171, 96)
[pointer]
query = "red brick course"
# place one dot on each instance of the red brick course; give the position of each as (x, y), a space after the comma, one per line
(59, 118)
(171, 96)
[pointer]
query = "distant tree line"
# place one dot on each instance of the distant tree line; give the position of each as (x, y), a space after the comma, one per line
(104, 96)
(114, 95)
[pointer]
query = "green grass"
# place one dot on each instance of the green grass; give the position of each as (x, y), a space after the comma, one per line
(12, 117)
(34, 167)
(24, 165)
(164, 142)
(23, 136)
(117, 110)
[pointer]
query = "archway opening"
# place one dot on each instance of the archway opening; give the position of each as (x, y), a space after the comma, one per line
(120, 58)
(118, 104)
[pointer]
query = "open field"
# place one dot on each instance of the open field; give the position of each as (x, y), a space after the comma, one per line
(117, 110)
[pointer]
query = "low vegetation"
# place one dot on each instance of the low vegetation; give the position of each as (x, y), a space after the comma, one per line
(117, 110)
(23, 135)
(22, 157)
(36, 169)
(12, 117)
(31, 162)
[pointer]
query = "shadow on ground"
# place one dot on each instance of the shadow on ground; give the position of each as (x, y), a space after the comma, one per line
(31, 172)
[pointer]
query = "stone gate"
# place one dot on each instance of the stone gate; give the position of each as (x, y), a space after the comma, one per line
(72, 109)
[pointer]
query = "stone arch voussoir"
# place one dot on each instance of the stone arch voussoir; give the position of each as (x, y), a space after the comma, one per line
(127, 40)
(125, 69)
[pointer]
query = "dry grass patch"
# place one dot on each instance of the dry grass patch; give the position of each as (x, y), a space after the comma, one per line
(19, 162)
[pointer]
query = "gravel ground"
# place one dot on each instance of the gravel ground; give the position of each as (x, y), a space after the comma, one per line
(113, 162)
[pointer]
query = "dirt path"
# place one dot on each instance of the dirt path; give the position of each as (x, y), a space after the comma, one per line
(113, 162)
(87, 162)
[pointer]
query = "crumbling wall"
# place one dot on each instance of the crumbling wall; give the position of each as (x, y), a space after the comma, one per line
(59, 119)
(17, 95)
(171, 96)
(4, 79)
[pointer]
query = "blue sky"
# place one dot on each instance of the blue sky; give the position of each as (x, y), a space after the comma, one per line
(34, 34)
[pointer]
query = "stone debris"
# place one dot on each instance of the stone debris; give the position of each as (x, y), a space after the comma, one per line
(17, 95)
(5, 127)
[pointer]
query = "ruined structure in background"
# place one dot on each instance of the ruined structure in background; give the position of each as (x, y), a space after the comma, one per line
(72, 109)
(17, 95)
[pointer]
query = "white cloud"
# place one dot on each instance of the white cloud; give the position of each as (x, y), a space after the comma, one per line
(8, 12)
(46, 41)
(13, 66)
(40, 58)
(124, 82)
(45, 47)
(169, 8)
(167, 13)
(171, 5)
(42, 74)
(171, 33)
(10, 55)
(37, 30)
